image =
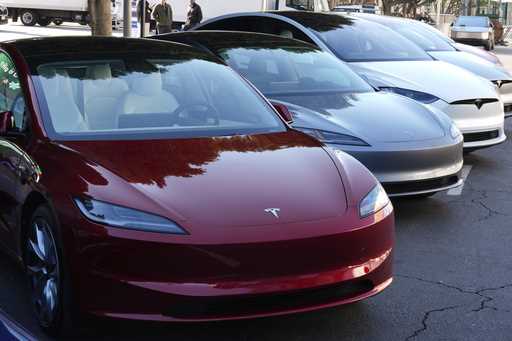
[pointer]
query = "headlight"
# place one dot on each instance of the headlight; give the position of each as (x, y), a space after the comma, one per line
(127, 218)
(454, 131)
(334, 138)
(374, 201)
(415, 95)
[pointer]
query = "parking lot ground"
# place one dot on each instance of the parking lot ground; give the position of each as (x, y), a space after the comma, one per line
(19, 31)
(453, 275)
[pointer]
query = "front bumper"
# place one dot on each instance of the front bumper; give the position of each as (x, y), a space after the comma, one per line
(506, 96)
(482, 127)
(470, 38)
(472, 41)
(135, 275)
(411, 169)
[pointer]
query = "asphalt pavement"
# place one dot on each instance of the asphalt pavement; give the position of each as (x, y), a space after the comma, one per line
(453, 275)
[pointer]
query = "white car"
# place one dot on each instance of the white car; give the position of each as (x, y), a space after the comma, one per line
(440, 49)
(389, 62)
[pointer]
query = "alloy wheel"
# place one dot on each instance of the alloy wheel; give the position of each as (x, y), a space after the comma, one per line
(43, 270)
(28, 17)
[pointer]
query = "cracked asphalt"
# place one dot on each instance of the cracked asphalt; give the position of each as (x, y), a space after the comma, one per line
(453, 276)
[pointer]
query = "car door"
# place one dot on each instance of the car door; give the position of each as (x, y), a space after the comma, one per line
(13, 160)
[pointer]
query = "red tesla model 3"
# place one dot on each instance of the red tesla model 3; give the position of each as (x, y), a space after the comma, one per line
(146, 180)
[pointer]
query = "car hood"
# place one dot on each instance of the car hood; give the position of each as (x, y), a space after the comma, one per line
(472, 29)
(472, 63)
(374, 117)
(221, 181)
(456, 83)
(491, 57)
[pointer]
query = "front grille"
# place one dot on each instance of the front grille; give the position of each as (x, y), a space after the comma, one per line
(204, 307)
(508, 108)
(419, 186)
(481, 136)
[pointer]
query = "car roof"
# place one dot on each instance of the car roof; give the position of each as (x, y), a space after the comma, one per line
(317, 20)
(35, 47)
(226, 39)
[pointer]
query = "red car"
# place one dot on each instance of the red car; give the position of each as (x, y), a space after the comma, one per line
(147, 180)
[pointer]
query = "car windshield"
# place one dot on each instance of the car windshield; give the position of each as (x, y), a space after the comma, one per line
(367, 41)
(473, 21)
(424, 38)
(293, 70)
(144, 97)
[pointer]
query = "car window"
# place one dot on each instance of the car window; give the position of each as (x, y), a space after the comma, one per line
(11, 94)
(258, 24)
(424, 38)
(292, 70)
(149, 97)
(301, 5)
(473, 21)
(368, 41)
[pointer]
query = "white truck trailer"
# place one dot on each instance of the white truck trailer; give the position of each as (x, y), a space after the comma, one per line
(214, 8)
(43, 12)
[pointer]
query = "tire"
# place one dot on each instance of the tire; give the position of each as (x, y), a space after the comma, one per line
(28, 17)
(47, 275)
(58, 22)
(44, 22)
(488, 45)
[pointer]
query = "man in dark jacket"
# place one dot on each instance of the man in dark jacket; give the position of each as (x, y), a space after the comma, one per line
(163, 16)
(139, 12)
(147, 18)
(194, 15)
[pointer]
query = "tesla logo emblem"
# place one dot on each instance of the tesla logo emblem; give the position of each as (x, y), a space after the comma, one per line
(479, 103)
(273, 211)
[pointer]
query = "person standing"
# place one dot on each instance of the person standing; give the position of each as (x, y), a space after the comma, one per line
(163, 16)
(194, 15)
(147, 16)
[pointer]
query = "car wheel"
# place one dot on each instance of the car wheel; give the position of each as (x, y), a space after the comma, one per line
(44, 21)
(28, 17)
(58, 22)
(488, 45)
(48, 281)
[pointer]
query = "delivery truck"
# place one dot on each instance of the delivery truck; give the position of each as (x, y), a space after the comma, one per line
(43, 12)
(214, 8)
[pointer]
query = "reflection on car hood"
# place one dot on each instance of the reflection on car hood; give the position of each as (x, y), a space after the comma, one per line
(223, 182)
(375, 118)
(491, 57)
(470, 62)
(445, 81)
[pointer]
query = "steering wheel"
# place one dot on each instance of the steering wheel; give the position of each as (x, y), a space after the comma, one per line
(196, 114)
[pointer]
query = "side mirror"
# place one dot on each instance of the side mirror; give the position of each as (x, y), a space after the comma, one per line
(284, 112)
(6, 122)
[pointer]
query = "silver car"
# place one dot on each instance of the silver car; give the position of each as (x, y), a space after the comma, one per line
(474, 30)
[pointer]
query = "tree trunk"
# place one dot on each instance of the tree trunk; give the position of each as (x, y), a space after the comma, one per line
(103, 18)
(91, 5)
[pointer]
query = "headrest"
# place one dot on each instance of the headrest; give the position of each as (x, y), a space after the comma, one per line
(286, 34)
(149, 84)
(100, 71)
(57, 82)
